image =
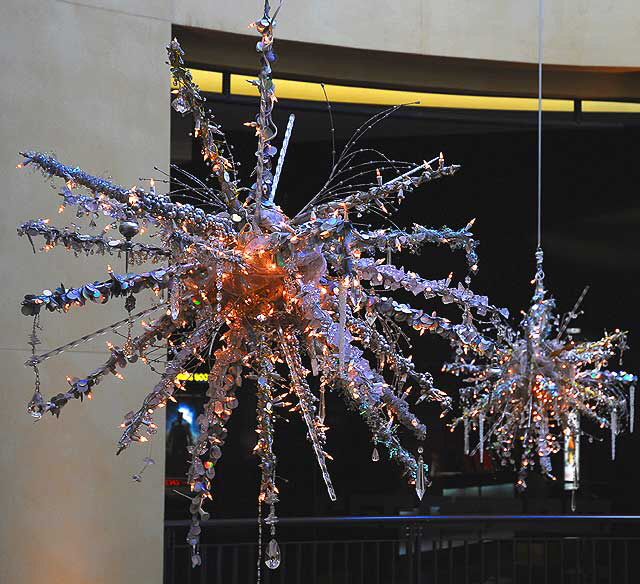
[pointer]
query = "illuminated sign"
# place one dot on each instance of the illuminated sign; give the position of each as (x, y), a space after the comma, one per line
(201, 377)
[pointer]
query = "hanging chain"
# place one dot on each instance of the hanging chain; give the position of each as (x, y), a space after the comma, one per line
(540, 28)
(35, 407)
(259, 564)
(33, 341)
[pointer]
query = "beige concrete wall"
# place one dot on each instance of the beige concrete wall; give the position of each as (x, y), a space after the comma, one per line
(88, 82)
(577, 32)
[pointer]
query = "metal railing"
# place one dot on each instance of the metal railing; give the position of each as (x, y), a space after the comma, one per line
(546, 549)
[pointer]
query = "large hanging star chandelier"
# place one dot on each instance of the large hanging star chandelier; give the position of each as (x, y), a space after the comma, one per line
(301, 306)
(526, 397)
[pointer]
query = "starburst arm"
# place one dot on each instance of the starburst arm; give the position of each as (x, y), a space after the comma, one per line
(402, 366)
(223, 379)
(375, 196)
(598, 352)
(135, 423)
(595, 377)
(119, 285)
(72, 239)
(359, 371)
(188, 99)
(393, 278)
(362, 388)
(265, 425)
(386, 351)
(137, 202)
(366, 391)
(370, 242)
(363, 398)
(266, 129)
(422, 322)
(397, 240)
(82, 387)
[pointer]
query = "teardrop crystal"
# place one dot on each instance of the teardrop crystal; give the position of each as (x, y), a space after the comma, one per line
(175, 307)
(36, 406)
(421, 480)
(323, 407)
(375, 455)
(272, 554)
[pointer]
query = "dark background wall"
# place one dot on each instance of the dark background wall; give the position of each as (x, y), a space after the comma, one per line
(590, 223)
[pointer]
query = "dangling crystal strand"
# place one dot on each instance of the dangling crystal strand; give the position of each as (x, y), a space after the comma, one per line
(466, 436)
(481, 445)
(632, 406)
(421, 480)
(577, 453)
(219, 287)
(272, 553)
(614, 432)
(36, 405)
(342, 310)
(259, 560)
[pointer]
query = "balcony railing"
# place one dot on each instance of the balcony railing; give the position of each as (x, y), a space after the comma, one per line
(575, 549)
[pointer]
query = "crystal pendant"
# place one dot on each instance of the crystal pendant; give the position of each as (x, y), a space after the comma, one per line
(180, 105)
(466, 436)
(375, 455)
(545, 464)
(323, 407)
(36, 406)
(421, 480)
(175, 299)
(130, 303)
(271, 519)
(272, 554)
(342, 323)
